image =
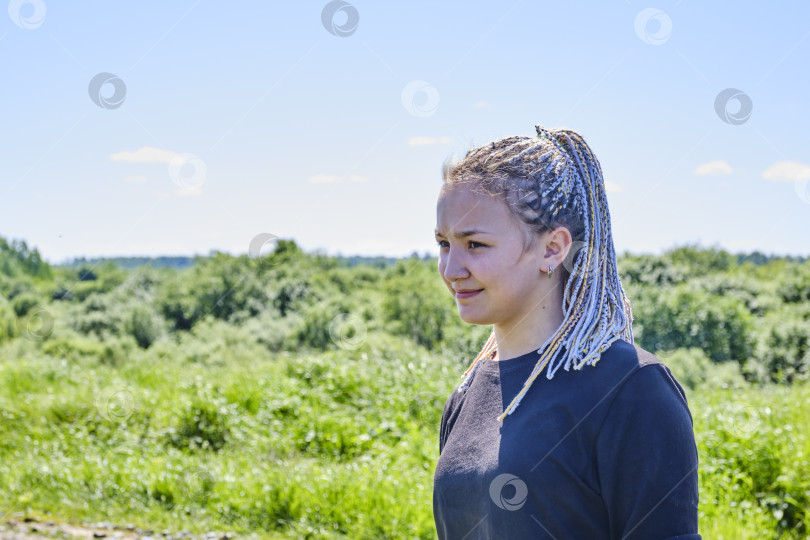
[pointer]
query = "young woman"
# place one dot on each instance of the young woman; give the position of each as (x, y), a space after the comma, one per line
(602, 449)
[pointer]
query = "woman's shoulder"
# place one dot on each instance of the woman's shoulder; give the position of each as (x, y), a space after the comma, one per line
(626, 363)
(639, 372)
(624, 357)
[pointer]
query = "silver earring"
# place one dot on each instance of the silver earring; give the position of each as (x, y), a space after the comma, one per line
(550, 270)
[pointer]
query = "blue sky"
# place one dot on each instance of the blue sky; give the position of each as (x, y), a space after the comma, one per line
(231, 120)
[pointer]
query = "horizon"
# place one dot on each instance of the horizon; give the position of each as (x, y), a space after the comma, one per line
(424, 255)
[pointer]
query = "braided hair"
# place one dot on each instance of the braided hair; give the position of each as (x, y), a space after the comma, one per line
(547, 181)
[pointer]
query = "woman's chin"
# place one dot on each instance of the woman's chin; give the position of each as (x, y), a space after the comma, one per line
(470, 317)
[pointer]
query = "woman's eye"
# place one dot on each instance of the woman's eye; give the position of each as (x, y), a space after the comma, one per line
(446, 244)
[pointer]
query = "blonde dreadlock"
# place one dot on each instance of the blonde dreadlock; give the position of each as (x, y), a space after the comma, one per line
(549, 181)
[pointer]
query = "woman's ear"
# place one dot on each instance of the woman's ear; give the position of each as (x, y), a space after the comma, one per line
(558, 244)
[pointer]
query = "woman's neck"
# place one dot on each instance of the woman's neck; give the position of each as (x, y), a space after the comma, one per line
(531, 332)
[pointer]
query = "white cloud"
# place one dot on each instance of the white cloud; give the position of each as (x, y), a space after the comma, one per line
(421, 141)
(713, 167)
(787, 171)
(357, 178)
(612, 187)
(480, 104)
(135, 179)
(325, 179)
(145, 154)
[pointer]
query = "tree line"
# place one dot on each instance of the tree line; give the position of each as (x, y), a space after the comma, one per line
(748, 310)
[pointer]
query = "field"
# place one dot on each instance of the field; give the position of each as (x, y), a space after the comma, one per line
(302, 415)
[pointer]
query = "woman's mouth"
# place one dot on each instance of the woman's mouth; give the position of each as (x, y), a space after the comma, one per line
(467, 293)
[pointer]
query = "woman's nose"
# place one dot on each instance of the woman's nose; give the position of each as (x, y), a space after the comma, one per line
(454, 268)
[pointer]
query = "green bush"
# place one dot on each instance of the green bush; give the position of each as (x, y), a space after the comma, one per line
(74, 348)
(62, 292)
(224, 287)
(24, 302)
(203, 425)
(86, 273)
(145, 325)
(795, 287)
(330, 324)
(757, 296)
(650, 270)
(783, 348)
(290, 295)
(100, 314)
(8, 326)
(693, 369)
(666, 319)
(17, 259)
(117, 351)
(417, 304)
(274, 332)
(178, 305)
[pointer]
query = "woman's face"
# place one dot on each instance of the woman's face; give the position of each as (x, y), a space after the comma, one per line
(481, 260)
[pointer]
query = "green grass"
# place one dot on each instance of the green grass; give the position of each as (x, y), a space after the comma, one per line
(215, 433)
(337, 444)
(754, 447)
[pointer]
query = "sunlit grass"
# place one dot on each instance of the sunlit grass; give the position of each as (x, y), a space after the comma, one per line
(341, 444)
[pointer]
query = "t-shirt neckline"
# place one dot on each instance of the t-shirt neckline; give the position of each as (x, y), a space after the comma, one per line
(510, 364)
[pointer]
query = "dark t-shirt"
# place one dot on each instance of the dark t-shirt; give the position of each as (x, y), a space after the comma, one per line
(606, 452)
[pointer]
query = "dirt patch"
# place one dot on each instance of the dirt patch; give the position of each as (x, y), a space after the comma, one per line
(30, 528)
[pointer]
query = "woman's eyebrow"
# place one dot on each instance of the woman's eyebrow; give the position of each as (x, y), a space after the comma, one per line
(464, 234)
